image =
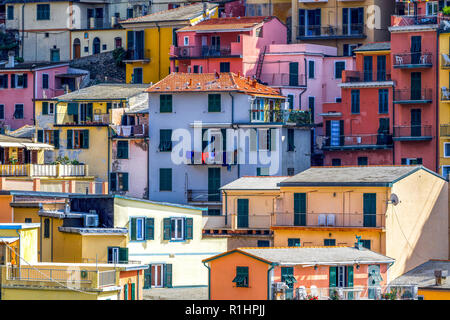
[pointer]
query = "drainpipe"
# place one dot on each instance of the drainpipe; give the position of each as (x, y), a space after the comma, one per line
(109, 155)
(34, 96)
(437, 101)
(226, 207)
(148, 168)
(268, 280)
(393, 124)
(209, 280)
(23, 25)
(159, 51)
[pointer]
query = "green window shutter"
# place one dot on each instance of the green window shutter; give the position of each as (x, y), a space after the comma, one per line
(86, 139)
(333, 278)
(122, 149)
(44, 107)
(168, 275)
(149, 228)
(214, 102)
(123, 255)
(40, 135)
(69, 139)
(165, 179)
(188, 226)
(165, 140)
(133, 291)
(72, 108)
(165, 103)
(125, 292)
(90, 111)
(300, 209)
(113, 181)
(166, 228)
(148, 277)
(13, 81)
(350, 276)
(242, 277)
(124, 181)
(25, 80)
(133, 229)
(56, 138)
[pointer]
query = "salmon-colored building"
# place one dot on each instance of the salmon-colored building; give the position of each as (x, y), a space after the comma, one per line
(297, 273)
(358, 130)
(235, 44)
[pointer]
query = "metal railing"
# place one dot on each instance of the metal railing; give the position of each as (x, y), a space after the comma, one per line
(320, 219)
(205, 158)
(203, 196)
(93, 260)
(420, 59)
(411, 95)
(362, 140)
(251, 221)
(71, 120)
(202, 51)
(133, 55)
(31, 273)
(445, 94)
(411, 20)
(283, 79)
(365, 76)
(348, 30)
(412, 131)
(445, 130)
(280, 116)
(140, 130)
(380, 292)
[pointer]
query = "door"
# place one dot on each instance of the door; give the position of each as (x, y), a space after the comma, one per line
(139, 45)
(213, 184)
(416, 122)
(96, 46)
(157, 276)
(287, 274)
(293, 73)
(242, 213)
(381, 68)
(374, 280)
(76, 48)
(368, 70)
(335, 132)
(416, 49)
(416, 85)
(215, 45)
(370, 209)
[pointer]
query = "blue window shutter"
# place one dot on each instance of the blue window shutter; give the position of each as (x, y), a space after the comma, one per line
(333, 277)
(56, 138)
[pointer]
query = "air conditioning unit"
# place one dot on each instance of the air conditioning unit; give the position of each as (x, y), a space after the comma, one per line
(90, 220)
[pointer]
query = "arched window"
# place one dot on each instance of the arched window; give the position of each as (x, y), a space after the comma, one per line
(96, 46)
(76, 48)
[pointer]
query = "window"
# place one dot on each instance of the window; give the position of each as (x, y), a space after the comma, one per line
(129, 13)
(338, 67)
(329, 242)
(309, 22)
(383, 103)
(49, 136)
(10, 13)
(263, 243)
(118, 181)
(214, 102)
(262, 171)
(104, 46)
(45, 81)
(224, 67)
(46, 228)
(48, 108)
(311, 71)
(445, 171)
(365, 243)
(362, 161)
(142, 229)
(259, 32)
(77, 139)
(341, 276)
(186, 41)
(165, 140)
(178, 229)
(290, 140)
(338, 100)
(165, 103)
(4, 81)
(293, 242)
(19, 81)
(311, 107)
(447, 149)
(432, 8)
(86, 49)
(335, 162)
(291, 101)
(122, 149)
(2, 111)
(18, 111)
(117, 255)
(290, 171)
(165, 179)
(43, 12)
(411, 161)
(28, 220)
(241, 278)
(299, 209)
(213, 212)
(54, 55)
(355, 102)
(137, 75)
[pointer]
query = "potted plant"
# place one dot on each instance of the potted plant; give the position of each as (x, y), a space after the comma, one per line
(311, 297)
(446, 11)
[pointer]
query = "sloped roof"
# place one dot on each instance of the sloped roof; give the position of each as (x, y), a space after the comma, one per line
(352, 176)
(229, 23)
(374, 46)
(212, 82)
(105, 91)
(183, 13)
(26, 131)
(423, 275)
(254, 183)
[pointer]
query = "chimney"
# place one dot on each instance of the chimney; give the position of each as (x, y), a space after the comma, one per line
(440, 276)
(254, 83)
(358, 243)
(113, 21)
(11, 62)
(190, 82)
(217, 75)
(239, 74)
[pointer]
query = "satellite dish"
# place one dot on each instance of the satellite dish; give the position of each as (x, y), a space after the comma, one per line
(394, 199)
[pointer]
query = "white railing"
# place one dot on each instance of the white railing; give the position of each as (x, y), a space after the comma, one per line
(106, 278)
(72, 170)
(43, 170)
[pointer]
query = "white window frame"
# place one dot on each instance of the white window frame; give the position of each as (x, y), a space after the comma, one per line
(176, 231)
(340, 276)
(186, 41)
(51, 108)
(345, 65)
(434, 5)
(140, 226)
(155, 275)
(443, 170)
(16, 80)
(115, 255)
(446, 156)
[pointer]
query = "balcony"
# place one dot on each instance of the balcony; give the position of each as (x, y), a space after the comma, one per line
(136, 131)
(43, 170)
(408, 96)
(97, 119)
(329, 220)
(203, 196)
(283, 79)
(445, 130)
(191, 52)
(412, 133)
(212, 158)
(414, 20)
(237, 222)
(133, 55)
(445, 60)
(318, 32)
(280, 116)
(413, 60)
(354, 77)
(357, 142)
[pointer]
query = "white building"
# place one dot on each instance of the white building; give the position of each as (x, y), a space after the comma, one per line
(191, 118)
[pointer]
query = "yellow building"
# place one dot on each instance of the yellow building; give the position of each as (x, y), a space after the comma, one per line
(444, 103)
(149, 39)
(86, 42)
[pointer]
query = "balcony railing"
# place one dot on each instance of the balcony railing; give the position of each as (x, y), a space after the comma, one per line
(137, 55)
(283, 79)
(445, 94)
(319, 31)
(203, 196)
(365, 76)
(412, 132)
(140, 130)
(202, 51)
(413, 60)
(43, 170)
(236, 222)
(413, 95)
(445, 130)
(212, 158)
(313, 219)
(414, 20)
(280, 116)
(76, 120)
(445, 60)
(363, 141)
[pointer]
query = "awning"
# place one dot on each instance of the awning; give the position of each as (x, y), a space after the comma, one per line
(289, 279)
(11, 145)
(38, 146)
(239, 279)
(8, 239)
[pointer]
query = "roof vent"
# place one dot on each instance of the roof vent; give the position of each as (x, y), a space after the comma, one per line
(440, 276)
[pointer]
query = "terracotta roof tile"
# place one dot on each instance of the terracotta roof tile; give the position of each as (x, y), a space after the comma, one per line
(227, 23)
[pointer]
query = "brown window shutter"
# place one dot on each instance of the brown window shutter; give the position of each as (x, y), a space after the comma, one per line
(34, 156)
(20, 156)
(6, 155)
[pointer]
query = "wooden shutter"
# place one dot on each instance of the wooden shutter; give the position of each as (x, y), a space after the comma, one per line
(69, 139)
(133, 229)
(165, 179)
(40, 135)
(168, 275)
(85, 139)
(25, 80)
(125, 292)
(166, 228)
(148, 277)
(341, 133)
(44, 107)
(133, 291)
(90, 111)
(350, 276)
(110, 254)
(112, 181)
(72, 108)
(333, 277)
(123, 255)
(189, 228)
(56, 138)
(125, 181)
(13, 81)
(149, 228)
(328, 132)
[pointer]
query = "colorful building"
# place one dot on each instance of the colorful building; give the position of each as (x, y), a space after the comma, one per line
(86, 42)
(341, 273)
(149, 39)
(234, 44)
(444, 106)
(359, 129)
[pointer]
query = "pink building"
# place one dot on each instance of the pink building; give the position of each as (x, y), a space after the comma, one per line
(309, 75)
(22, 83)
(226, 45)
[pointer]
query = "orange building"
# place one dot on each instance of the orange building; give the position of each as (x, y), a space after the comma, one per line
(298, 273)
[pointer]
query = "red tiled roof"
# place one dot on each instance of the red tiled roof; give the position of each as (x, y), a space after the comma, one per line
(227, 23)
(212, 82)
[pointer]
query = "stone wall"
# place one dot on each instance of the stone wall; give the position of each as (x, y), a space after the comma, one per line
(102, 68)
